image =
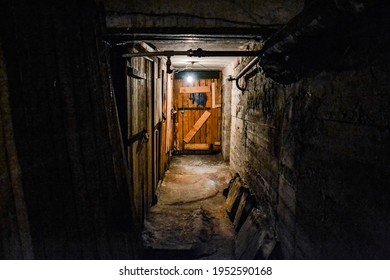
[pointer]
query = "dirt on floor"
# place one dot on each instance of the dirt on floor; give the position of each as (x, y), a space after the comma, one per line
(190, 220)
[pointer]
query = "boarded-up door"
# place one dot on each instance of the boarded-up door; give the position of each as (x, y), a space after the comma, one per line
(198, 115)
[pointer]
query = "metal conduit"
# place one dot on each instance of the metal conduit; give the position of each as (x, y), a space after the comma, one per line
(276, 37)
(202, 53)
(316, 16)
(193, 53)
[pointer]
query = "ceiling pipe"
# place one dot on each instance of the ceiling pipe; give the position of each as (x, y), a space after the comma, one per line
(270, 43)
(317, 16)
(193, 53)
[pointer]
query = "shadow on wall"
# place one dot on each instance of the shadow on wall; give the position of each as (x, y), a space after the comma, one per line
(316, 150)
(72, 177)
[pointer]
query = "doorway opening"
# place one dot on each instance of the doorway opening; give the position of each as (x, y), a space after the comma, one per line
(197, 99)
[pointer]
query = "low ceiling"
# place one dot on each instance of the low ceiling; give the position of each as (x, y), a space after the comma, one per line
(239, 25)
(208, 44)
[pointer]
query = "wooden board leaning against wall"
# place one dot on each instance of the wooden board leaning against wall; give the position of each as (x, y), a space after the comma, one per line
(198, 115)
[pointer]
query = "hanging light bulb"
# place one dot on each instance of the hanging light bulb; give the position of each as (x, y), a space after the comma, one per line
(190, 76)
(190, 79)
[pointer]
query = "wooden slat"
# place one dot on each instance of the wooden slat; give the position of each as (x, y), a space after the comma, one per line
(203, 133)
(198, 135)
(215, 96)
(194, 119)
(197, 147)
(178, 126)
(185, 102)
(179, 131)
(214, 125)
(240, 210)
(185, 125)
(219, 123)
(251, 236)
(197, 126)
(194, 89)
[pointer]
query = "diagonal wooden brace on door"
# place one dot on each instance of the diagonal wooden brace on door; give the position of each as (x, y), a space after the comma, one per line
(199, 123)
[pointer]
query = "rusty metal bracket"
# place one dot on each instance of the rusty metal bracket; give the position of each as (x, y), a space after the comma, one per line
(142, 136)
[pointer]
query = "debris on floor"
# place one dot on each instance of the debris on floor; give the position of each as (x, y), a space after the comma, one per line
(204, 214)
(255, 238)
(190, 219)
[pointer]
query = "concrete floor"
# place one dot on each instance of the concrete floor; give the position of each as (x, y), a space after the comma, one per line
(190, 221)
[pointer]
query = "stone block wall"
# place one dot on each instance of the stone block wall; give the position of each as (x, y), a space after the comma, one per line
(316, 153)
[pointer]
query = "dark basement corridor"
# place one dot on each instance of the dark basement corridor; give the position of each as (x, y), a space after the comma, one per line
(104, 104)
(190, 219)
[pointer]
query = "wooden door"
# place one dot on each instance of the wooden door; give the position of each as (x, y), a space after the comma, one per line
(140, 133)
(198, 115)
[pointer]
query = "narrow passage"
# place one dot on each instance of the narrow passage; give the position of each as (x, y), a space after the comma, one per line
(190, 220)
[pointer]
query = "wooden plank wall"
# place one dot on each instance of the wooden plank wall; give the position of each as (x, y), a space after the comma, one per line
(141, 154)
(148, 99)
(210, 132)
(169, 115)
(66, 135)
(167, 124)
(84, 199)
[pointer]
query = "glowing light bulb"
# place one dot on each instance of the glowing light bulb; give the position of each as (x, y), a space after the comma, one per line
(190, 79)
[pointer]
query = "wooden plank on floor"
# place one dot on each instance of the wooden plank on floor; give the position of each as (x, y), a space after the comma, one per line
(194, 89)
(197, 126)
(251, 235)
(197, 147)
(240, 210)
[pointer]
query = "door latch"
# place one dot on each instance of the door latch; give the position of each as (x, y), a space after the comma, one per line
(142, 136)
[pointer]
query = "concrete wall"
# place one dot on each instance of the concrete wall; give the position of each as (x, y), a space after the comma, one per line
(317, 155)
(226, 110)
(64, 184)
